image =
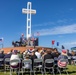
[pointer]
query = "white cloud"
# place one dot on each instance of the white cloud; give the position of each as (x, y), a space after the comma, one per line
(44, 24)
(58, 22)
(62, 21)
(58, 30)
(51, 23)
(70, 43)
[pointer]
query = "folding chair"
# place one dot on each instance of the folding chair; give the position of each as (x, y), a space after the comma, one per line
(27, 65)
(62, 64)
(1, 64)
(49, 65)
(74, 59)
(38, 65)
(74, 62)
(17, 68)
(7, 64)
(69, 60)
(56, 69)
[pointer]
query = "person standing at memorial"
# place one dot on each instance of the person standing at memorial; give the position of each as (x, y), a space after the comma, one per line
(22, 40)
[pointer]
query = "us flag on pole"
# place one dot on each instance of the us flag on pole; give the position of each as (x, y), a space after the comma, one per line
(1, 39)
(32, 38)
(38, 34)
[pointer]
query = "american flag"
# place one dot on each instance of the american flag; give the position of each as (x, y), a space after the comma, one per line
(62, 64)
(32, 37)
(38, 34)
(1, 39)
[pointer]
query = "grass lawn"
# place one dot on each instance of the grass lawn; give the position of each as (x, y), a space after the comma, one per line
(71, 70)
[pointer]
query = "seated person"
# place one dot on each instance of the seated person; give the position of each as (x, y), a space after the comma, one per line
(73, 60)
(13, 43)
(2, 57)
(48, 55)
(8, 55)
(32, 57)
(63, 56)
(27, 65)
(69, 57)
(13, 57)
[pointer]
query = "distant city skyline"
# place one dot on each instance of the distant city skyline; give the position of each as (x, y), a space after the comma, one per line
(54, 20)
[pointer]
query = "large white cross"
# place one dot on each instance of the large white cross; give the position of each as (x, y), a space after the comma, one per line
(28, 11)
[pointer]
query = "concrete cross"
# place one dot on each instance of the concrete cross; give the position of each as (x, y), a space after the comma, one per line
(28, 11)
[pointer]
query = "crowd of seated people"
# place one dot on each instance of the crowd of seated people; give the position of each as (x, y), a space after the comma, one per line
(35, 53)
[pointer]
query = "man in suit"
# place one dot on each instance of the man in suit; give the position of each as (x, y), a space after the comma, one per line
(22, 40)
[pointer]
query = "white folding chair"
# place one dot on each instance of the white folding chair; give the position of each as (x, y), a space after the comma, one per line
(38, 65)
(17, 68)
(49, 65)
(27, 65)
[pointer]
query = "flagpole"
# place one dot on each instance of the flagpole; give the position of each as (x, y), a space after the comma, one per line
(52, 45)
(53, 41)
(2, 45)
(1, 40)
(38, 34)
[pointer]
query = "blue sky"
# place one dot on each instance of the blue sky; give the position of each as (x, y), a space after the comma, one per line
(54, 20)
